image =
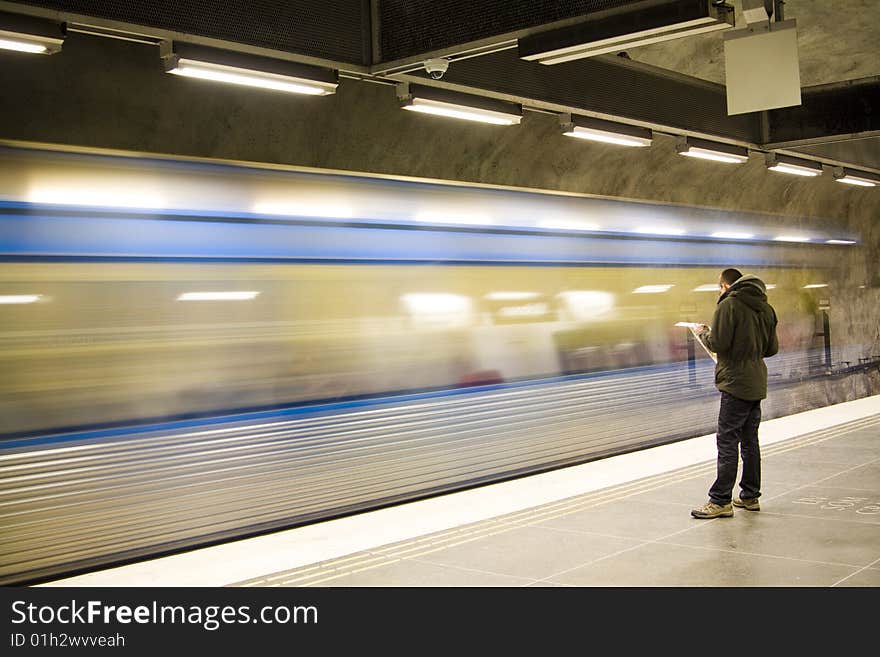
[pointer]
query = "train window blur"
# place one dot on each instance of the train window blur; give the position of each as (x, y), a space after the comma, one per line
(104, 343)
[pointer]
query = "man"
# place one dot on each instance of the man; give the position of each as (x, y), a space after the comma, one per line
(743, 333)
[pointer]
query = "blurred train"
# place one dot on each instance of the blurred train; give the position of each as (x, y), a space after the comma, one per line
(181, 361)
(152, 289)
(117, 342)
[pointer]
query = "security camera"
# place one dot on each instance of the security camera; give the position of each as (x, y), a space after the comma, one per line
(436, 67)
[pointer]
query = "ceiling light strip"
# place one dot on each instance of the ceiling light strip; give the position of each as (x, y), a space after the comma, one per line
(216, 65)
(858, 178)
(715, 151)
(792, 165)
(450, 104)
(448, 110)
(30, 34)
(608, 132)
(20, 45)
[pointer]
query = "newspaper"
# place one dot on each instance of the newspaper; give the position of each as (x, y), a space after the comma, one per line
(694, 326)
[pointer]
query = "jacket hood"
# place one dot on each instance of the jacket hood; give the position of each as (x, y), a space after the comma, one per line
(750, 290)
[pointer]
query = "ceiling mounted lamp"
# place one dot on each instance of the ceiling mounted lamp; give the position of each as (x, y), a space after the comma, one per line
(859, 178)
(792, 165)
(217, 65)
(455, 105)
(29, 34)
(607, 132)
(711, 150)
(671, 20)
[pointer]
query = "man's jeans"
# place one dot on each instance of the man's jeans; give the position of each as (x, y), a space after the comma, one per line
(738, 422)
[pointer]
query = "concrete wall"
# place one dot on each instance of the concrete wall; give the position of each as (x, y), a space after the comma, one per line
(113, 94)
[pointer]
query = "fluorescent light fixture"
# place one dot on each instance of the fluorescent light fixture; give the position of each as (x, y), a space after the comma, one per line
(640, 27)
(652, 289)
(217, 296)
(858, 178)
(607, 132)
(193, 61)
(792, 165)
(22, 46)
(659, 230)
(723, 235)
(708, 287)
(770, 286)
(710, 150)
(791, 238)
(840, 242)
(451, 104)
(439, 108)
(815, 286)
(511, 296)
(19, 298)
(30, 34)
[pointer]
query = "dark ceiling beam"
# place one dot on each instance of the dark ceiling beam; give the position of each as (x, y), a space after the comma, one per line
(615, 33)
(330, 33)
(828, 113)
(608, 87)
(407, 32)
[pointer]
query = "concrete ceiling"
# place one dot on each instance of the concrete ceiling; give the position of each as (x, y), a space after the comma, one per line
(675, 87)
(837, 41)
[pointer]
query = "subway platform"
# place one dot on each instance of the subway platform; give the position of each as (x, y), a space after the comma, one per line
(616, 522)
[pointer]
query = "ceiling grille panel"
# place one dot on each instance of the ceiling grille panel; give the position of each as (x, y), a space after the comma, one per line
(331, 29)
(411, 27)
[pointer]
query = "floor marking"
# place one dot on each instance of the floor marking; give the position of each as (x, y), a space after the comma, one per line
(528, 580)
(763, 554)
(870, 566)
(663, 541)
(394, 553)
(507, 524)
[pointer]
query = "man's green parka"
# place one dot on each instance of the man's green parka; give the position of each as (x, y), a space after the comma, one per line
(743, 333)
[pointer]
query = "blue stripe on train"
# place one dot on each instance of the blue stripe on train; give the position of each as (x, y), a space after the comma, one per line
(30, 231)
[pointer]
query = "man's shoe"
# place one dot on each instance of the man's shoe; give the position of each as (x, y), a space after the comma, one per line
(748, 503)
(710, 510)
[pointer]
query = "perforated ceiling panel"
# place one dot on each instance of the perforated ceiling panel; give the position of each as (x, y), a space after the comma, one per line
(410, 27)
(331, 29)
